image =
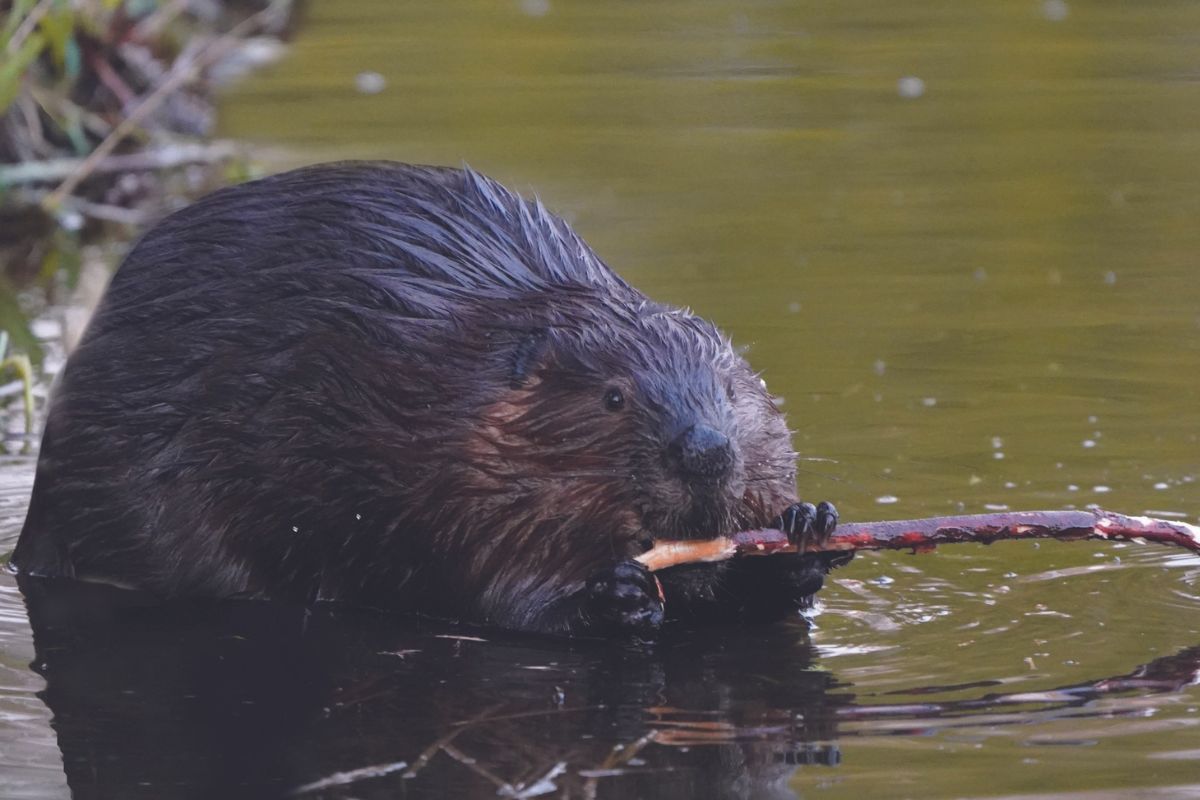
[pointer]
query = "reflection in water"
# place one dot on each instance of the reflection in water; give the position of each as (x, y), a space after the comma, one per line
(1099, 698)
(254, 699)
(986, 294)
(250, 699)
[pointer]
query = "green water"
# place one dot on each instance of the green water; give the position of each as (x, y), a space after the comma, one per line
(1006, 265)
(960, 239)
(1012, 254)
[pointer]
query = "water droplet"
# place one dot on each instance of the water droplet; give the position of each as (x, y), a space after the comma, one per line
(910, 87)
(369, 82)
(1055, 10)
(535, 8)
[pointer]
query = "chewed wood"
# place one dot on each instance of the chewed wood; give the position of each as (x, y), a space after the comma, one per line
(922, 534)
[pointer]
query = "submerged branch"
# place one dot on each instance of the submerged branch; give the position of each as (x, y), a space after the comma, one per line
(925, 534)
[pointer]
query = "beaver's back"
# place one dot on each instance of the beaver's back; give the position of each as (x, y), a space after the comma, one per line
(394, 227)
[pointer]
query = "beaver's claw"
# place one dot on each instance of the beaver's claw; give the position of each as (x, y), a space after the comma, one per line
(791, 580)
(805, 523)
(624, 599)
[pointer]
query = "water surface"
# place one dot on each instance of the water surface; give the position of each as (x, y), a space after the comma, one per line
(960, 240)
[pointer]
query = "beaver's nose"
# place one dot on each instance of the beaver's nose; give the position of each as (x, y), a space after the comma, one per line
(702, 452)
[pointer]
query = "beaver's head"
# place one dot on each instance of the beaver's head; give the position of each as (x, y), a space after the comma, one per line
(641, 415)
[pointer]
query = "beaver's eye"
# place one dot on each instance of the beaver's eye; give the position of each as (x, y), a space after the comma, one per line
(614, 400)
(730, 393)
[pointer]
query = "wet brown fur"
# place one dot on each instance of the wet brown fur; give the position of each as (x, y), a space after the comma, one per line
(385, 384)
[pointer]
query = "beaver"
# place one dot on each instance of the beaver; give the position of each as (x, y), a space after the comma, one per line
(407, 387)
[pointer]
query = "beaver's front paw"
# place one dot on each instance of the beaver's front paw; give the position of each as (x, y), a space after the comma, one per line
(625, 598)
(807, 524)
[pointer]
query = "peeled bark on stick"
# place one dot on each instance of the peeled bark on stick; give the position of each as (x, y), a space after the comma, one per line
(925, 534)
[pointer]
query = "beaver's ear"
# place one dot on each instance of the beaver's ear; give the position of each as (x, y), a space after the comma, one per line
(530, 352)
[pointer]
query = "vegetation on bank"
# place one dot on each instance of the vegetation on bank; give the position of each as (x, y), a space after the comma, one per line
(106, 121)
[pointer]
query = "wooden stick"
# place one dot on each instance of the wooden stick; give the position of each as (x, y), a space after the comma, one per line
(165, 157)
(925, 534)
